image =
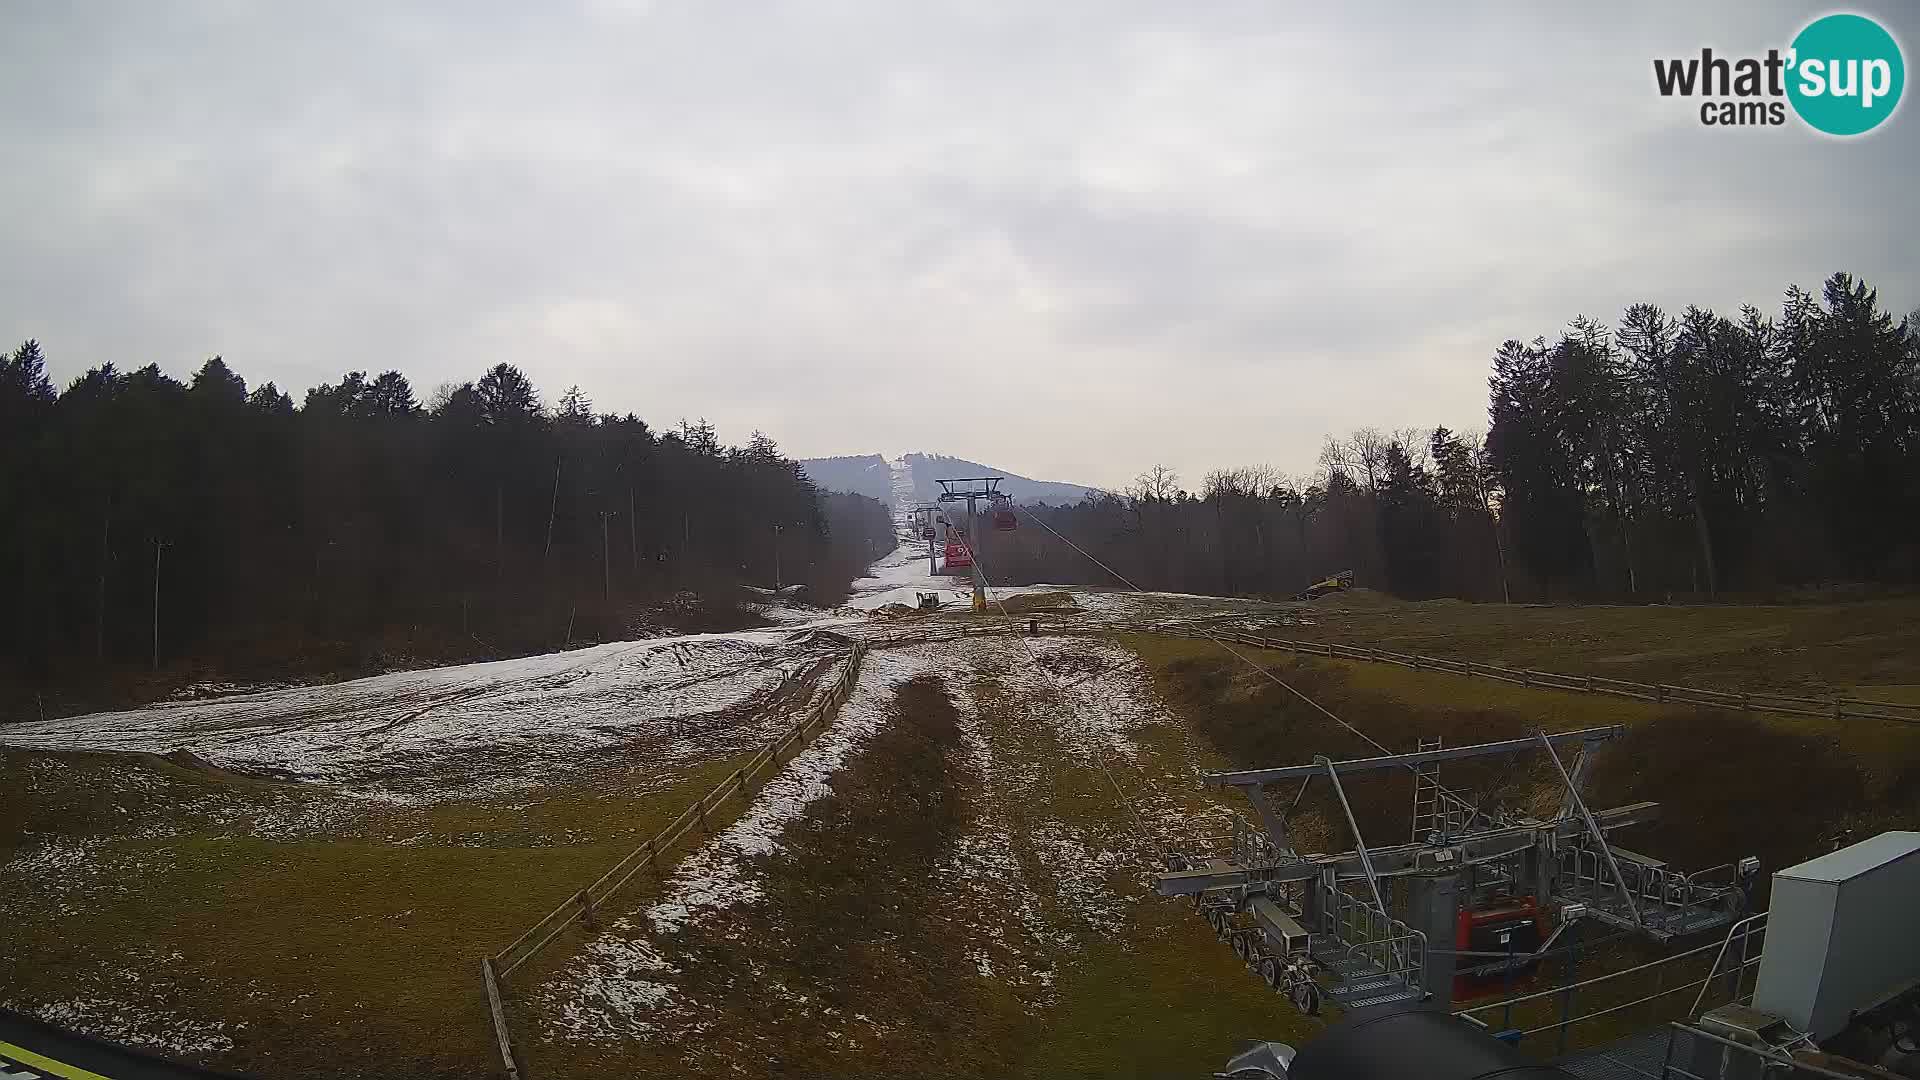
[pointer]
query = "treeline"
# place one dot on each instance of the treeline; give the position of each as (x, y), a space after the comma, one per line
(1694, 455)
(1407, 511)
(145, 521)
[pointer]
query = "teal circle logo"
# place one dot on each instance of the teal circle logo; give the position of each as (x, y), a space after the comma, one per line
(1846, 74)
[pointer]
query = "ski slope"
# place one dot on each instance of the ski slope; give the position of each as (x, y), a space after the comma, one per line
(413, 736)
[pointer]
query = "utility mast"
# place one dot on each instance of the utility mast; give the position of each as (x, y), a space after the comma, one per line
(972, 490)
(923, 519)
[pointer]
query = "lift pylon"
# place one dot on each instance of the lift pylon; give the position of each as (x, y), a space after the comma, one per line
(1398, 922)
(971, 490)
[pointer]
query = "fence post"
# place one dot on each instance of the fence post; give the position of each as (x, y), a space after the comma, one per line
(1526, 676)
(1660, 693)
(492, 983)
(586, 910)
(1589, 684)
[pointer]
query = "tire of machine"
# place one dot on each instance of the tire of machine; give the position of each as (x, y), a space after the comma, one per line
(1242, 946)
(1305, 995)
(1270, 971)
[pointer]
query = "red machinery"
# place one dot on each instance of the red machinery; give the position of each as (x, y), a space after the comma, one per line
(1509, 926)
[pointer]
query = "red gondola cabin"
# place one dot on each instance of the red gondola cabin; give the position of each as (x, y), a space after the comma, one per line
(958, 557)
(1509, 926)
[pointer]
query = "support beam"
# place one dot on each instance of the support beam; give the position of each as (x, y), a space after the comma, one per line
(1582, 761)
(1398, 859)
(1244, 778)
(1359, 841)
(1593, 828)
(1276, 823)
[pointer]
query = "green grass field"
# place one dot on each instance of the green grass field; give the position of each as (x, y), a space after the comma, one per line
(343, 951)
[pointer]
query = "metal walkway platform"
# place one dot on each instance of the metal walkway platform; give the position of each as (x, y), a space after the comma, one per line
(1355, 982)
(1637, 1057)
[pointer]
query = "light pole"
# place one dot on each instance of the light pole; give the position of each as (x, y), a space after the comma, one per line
(157, 545)
(777, 528)
(606, 563)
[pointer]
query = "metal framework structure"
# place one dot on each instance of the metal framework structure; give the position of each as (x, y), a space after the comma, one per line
(971, 490)
(925, 516)
(1377, 924)
(977, 487)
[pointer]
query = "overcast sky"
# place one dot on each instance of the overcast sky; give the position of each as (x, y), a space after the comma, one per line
(1068, 239)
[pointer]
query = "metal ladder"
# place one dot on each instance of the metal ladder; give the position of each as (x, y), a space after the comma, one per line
(1426, 794)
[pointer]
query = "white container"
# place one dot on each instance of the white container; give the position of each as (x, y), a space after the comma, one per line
(1843, 934)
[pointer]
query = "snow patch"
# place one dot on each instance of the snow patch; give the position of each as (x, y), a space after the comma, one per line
(593, 997)
(711, 878)
(473, 730)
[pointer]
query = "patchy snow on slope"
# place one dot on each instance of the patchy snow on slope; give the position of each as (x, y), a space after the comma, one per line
(472, 729)
(1015, 935)
(905, 570)
(120, 1021)
(712, 878)
(1112, 700)
(897, 577)
(612, 989)
(103, 1004)
(592, 997)
(1106, 690)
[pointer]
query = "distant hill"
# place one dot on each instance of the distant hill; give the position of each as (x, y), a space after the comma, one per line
(870, 475)
(929, 467)
(862, 474)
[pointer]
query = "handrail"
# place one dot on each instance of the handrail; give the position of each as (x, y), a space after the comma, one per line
(1702, 984)
(1724, 945)
(1587, 982)
(1790, 1062)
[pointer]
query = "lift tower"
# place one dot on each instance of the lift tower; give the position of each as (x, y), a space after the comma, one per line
(971, 490)
(1397, 922)
(924, 517)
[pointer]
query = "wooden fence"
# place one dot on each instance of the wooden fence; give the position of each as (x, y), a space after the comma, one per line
(1835, 707)
(583, 905)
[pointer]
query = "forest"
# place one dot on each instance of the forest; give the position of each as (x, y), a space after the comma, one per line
(1695, 456)
(153, 530)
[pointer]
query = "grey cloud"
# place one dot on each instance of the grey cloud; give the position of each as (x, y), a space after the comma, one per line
(1138, 231)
